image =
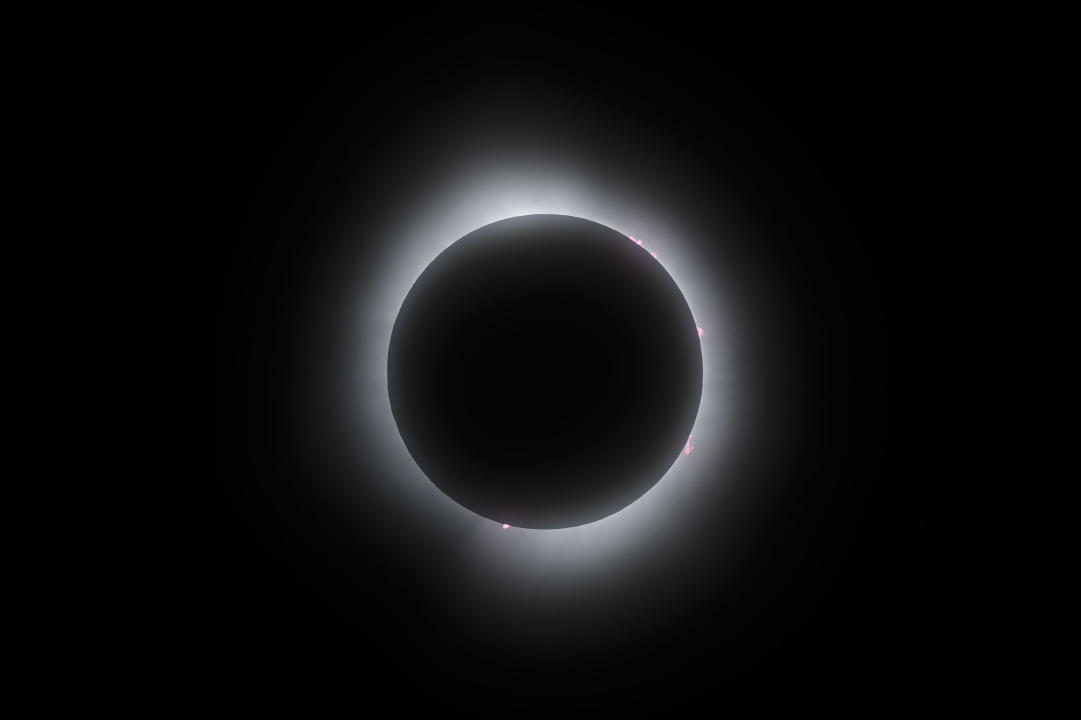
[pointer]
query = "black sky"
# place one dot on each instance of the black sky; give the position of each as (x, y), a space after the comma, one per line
(835, 137)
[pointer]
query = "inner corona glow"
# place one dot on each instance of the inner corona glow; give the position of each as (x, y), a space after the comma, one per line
(451, 210)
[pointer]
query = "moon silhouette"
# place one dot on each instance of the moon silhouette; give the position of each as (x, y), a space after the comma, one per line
(545, 371)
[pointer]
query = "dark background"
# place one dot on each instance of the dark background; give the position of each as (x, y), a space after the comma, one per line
(836, 137)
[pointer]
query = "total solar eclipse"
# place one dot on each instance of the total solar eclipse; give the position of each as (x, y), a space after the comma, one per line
(545, 371)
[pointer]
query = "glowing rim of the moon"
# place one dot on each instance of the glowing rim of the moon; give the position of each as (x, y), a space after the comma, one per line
(688, 446)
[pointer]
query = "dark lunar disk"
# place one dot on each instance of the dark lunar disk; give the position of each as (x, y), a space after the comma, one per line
(545, 371)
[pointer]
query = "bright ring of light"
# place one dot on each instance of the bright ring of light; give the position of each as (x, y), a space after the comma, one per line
(436, 222)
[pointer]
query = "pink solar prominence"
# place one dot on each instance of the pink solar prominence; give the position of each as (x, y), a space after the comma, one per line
(689, 446)
(505, 526)
(638, 242)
